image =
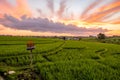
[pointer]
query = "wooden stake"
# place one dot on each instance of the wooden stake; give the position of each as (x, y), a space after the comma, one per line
(31, 62)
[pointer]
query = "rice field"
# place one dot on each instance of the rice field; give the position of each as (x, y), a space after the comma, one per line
(56, 59)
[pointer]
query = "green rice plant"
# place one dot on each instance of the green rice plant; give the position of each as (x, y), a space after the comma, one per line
(55, 59)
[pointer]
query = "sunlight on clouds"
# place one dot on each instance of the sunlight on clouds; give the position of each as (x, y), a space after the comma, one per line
(93, 25)
(57, 12)
(113, 32)
(21, 8)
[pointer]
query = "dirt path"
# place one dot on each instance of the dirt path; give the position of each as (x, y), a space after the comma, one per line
(1, 78)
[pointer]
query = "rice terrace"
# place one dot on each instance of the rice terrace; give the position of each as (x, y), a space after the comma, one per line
(58, 59)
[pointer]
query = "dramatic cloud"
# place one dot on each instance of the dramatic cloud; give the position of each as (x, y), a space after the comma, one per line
(21, 8)
(1, 15)
(108, 6)
(60, 16)
(61, 9)
(44, 25)
(90, 7)
(1, 27)
(5, 7)
(101, 13)
(115, 21)
(50, 5)
(97, 16)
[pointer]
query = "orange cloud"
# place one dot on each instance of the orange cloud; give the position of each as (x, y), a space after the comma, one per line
(22, 8)
(17, 11)
(90, 7)
(94, 20)
(97, 16)
(5, 7)
(102, 13)
(109, 6)
(1, 15)
(114, 32)
(116, 22)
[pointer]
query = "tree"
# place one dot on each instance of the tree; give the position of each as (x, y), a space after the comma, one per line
(101, 36)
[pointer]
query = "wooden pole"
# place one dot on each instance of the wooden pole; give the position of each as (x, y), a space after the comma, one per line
(30, 47)
(31, 60)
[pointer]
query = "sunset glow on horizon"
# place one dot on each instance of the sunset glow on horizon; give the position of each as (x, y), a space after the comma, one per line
(59, 17)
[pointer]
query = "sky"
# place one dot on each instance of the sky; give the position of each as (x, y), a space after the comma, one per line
(59, 17)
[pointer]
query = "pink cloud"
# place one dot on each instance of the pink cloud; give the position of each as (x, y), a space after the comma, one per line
(20, 9)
